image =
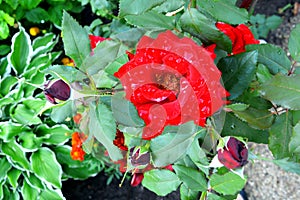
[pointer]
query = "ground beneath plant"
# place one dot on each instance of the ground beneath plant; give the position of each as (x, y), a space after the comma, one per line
(266, 181)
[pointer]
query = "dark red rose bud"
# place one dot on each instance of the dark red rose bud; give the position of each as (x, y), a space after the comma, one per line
(234, 154)
(137, 179)
(57, 90)
(138, 159)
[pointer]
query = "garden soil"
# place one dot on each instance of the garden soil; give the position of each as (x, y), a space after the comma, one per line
(265, 180)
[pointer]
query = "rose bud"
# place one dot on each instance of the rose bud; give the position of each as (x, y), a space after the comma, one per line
(139, 159)
(234, 154)
(137, 178)
(57, 90)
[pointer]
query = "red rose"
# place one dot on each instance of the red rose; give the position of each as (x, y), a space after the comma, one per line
(234, 155)
(119, 141)
(57, 90)
(240, 36)
(171, 81)
(95, 40)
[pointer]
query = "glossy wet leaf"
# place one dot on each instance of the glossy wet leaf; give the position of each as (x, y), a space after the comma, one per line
(283, 90)
(137, 7)
(294, 43)
(161, 181)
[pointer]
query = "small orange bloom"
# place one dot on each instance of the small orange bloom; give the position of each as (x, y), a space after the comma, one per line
(77, 152)
(77, 118)
(34, 31)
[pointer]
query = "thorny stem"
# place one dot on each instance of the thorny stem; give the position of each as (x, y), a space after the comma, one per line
(293, 68)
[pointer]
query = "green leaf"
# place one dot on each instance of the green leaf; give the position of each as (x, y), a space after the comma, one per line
(200, 26)
(46, 167)
(187, 194)
(160, 181)
(29, 4)
(7, 84)
(273, 22)
(25, 115)
(272, 57)
(104, 80)
(192, 178)
(4, 49)
(111, 50)
(29, 141)
(19, 57)
(76, 40)
(103, 127)
(288, 166)
(225, 11)
(151, 19)
(116, 65)
(16, 153)
(294, 145)
(237, 106)
(280, 136)
(125, 112)
(59, 114)
(259, 119)
(28, 192)
(227, 184)
(37, 15)
(263, 74)
(13, 178)
(55, 135)
(8, 130)
(51, 194)
(237, 72)
(294, 43)
(235, 127)
(274, 89)
(4, 30)
(171, 145)
(136, 7)
(5, 167)
(198, 156)
(68, 73)
(34, 181)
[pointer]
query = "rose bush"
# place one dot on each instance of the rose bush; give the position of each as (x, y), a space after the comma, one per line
(173, 96)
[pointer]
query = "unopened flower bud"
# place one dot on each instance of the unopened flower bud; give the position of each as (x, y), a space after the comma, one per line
(234, 154)
(57, 90)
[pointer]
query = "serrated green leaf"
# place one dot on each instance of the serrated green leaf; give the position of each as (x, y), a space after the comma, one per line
(272, 57)
(274, 89)
(116, 65)
(76, 40)
(253, 98)
(192, 178)
(288, 166)
(187, 194)
(28, 192)
(227, 184)
(294, 43)
(259, 119)
(160, 181)
(111, 50)
(19, 57)
(200, 26)
(15, 153)
(104, 80)
(273, 22)
(103, 127)
(125, 112)
(280, 136)
(294, 145)
(235, 127)
(263, 74)
(137, 7)
(233, 68)
(198, 156)
(68, 73)
(225, 11)
(151, 19)
(171, 145)
(46, 167)
(237, 106)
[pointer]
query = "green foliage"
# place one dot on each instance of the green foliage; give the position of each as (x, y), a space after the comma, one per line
(262, 25)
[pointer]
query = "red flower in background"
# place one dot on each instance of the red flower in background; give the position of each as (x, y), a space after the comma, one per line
(119, 141)
(171, 81)
(240, 36)
(95, 40)
(77, 152)
(234, 154)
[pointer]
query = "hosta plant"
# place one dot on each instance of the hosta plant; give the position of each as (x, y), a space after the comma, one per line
(34, 150)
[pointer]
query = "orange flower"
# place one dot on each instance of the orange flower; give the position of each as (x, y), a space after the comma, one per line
(77, 152)
(77, 118)
(34, 31)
